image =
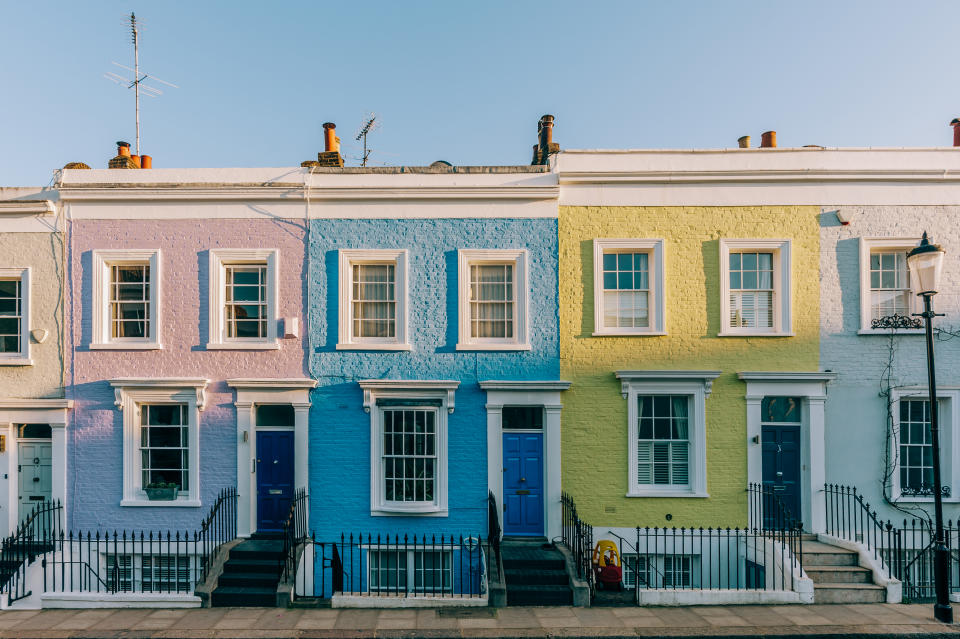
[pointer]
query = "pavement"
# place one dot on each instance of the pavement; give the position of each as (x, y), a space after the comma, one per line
(860, 620)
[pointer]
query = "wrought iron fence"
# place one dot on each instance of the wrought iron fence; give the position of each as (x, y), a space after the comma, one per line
(294, 532)
(767, 511)
(32, 538)
(578, 538)
(437, 566)
(849, 517)
(218, 527)
(493, 535)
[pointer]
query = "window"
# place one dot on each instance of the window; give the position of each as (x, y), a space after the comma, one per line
(493, 300)
(666, 432)
(373, 300)
(913, 446)
(126, 305)
(521, 418)
(418, 571)
(165, 445)
(658, 571)
(14, 317)
(628, 287)
(150, 573)
(409, 455)
(755, 287)
(243, 299)
(885, 282)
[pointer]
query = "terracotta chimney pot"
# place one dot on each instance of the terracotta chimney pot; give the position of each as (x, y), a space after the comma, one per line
(768, 139)
(955, 123)
(744, 141)
(146, 162)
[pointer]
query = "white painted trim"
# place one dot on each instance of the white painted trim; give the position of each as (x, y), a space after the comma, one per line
(248, 383)
(949, 441)
(386, 601)
(127, 346)
(524, 385)
(100, 313)
(27, 207)
(219, 260)
(130, 600)
(777, 376)
(521, 296)
(373, 388)
(22, 356)
(349, 257)
(656, 302)
(867, 246)
(694, 384)
(782, 293)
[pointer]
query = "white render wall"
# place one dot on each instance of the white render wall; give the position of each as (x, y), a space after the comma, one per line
(856, 430)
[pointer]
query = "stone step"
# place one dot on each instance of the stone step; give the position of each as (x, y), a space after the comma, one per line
(816, 553)
(848, 593)
(268, 566)
(839, 574)
(249, 579)
(544, 563)
(539, 596)
(244, 597)
(533, 577)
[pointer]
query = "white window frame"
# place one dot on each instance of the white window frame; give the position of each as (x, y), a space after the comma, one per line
(656, 302)
(782, 287)
(130, 395)
(948, 399)
(521, 339)
(102, 261)
(697, 385)
(346, 339)
(410, 569)
(22, 356)
(219, 260)
(867, 246)
(433, 390)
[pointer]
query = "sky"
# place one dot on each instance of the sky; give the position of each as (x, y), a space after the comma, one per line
(466, 82)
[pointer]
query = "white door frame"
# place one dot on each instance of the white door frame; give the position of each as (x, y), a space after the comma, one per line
(812, 388)
(527, 393)
(251, 392)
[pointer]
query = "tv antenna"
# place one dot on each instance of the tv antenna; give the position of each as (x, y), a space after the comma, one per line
(137, 83)
(368, 127)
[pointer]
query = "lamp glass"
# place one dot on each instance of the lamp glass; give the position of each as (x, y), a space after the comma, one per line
(925, 271)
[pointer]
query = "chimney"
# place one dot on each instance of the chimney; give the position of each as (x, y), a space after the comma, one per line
(330, 156)
(768, 140)
(955, 123)
(546, 146)
(123, 160)
(146, 162)
(136, 159)
(744, 141)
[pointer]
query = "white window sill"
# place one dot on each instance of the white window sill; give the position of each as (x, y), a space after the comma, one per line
(628, 334)
(753, 334)
(15, 361)
(909, 499)
(244, 346)
(176, 503)
(667, 493)
(888, 331)
(493, 347)
(127, 346)
(431, 511)
(373, 347)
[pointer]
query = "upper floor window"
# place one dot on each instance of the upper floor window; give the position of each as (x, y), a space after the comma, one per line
(913, 444)
(628, 287)
(884, 281)
(373, 300)
(493, 300)
(14, 316)
(126, 304)
(755, 287)
(243, 299)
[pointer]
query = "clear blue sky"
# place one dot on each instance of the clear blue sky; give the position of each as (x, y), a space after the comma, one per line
(466, 82)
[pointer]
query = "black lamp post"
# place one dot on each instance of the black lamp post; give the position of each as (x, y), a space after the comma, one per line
(925, 263)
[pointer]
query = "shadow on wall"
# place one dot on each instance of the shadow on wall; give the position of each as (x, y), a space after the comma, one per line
(586, 281)
(710, 252)
(86, 301)
(453, 295)
(848, 252)
(203, 300)
(331, 262)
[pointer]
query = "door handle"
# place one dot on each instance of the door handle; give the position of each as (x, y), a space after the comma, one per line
(523, 479)
(779, 474)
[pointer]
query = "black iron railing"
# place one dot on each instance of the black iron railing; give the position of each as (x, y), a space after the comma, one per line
(914, 563)
(767, 511)
(218, 527)
(493, 535)
(849, 517)
(367, 565)
(578, 538)
(294, 533)
(33, 537)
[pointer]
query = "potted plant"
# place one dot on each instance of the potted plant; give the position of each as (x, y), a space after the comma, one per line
(161, 491)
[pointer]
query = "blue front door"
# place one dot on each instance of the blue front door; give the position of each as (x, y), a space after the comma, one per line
(274, 478)
(523, 483)
(781, 467)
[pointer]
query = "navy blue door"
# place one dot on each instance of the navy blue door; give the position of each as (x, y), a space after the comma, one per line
(523, 483)
(781, 465)
(274, 478)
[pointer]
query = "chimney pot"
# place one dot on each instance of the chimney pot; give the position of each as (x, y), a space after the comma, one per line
(330, 140)
(744, 141)
(955, 123)
(545, 144)
(136, 160)
(146, 162)
(768, 139)
(123, 148)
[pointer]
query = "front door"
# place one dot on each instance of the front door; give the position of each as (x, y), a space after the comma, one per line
(780, 436)
(274, 478)
(36, 481)
(523, 483)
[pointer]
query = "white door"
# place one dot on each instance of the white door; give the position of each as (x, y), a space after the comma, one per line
(36, 481)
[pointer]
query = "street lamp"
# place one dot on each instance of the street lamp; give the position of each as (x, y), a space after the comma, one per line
(925, 263)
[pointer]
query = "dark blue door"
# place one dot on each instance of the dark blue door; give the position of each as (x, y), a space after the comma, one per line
(781, 466)
(523, 483)
(274, 478)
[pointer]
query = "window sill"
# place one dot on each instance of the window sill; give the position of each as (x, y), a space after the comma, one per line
(176, 503)
(633, 334)
(735, 334)
(493, 347)
(373, 347)
(244, 346)
(667, 493)
(391, 512)
(888, 331)
(16, 361)
(127, 346)
(924, 500)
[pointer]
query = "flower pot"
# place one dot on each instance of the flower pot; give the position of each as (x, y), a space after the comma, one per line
(161, 494)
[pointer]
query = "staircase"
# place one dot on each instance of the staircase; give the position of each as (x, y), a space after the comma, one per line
(837, 576)
(535, 573)
(251, 573)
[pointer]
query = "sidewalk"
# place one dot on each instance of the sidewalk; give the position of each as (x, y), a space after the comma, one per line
(875, 620)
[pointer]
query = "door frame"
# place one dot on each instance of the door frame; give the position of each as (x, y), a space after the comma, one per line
(811, 387)
(527, 393)
(250, 393)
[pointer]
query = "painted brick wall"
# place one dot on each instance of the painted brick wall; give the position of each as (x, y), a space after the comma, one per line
(856, 412)
(95, 455)
(595, 415)
(340, 429)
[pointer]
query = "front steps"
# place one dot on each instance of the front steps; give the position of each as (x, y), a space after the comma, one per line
(251, 573)
(837, 576)
(535, 573)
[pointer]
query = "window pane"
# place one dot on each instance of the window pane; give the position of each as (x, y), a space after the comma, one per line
(130, 301)
(164, 445)
(491, 301)
(245, 308)
(663, 440)
(916, 449)
(409, 454)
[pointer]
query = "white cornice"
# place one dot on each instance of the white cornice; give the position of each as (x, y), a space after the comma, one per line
(775, 376)
(762, 177)
(525, 385)
(276, 384)
(442, 387)
(123, 384)
(195, 192)
(36, 403)
(26, 207)
(667, 377)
